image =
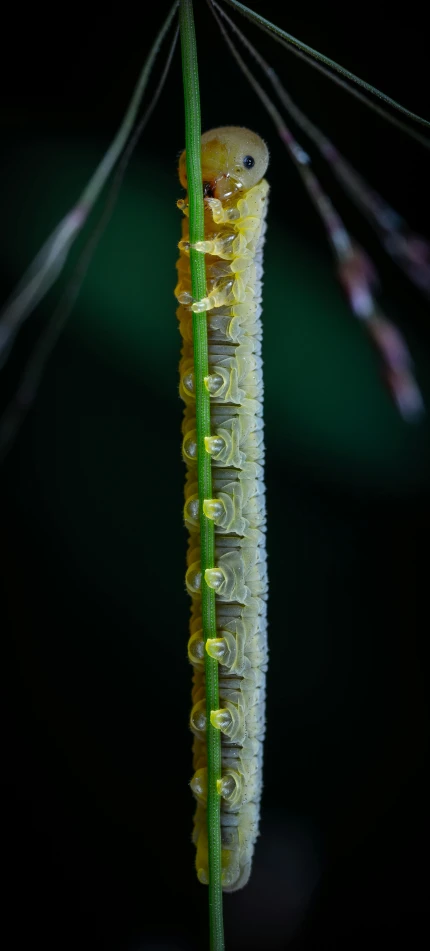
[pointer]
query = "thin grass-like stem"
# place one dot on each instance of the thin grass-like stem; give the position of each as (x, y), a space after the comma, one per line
(355, 271)
(13, 416)
(204, 474)
(326, 65)
(50, 260)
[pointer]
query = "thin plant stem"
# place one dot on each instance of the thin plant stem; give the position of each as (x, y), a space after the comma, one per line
(50, 260)
(23, 399)
(355, 271)
(325, 65)
(204, 474)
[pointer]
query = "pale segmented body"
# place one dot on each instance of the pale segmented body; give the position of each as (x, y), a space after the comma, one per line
(234, 232)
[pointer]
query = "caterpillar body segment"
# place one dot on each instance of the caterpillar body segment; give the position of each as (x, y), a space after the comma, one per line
(234, 162)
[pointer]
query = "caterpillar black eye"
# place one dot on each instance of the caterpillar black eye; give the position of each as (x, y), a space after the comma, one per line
(207, 190)
(249, 161)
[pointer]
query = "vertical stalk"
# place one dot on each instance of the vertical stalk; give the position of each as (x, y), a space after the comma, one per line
(204, 474)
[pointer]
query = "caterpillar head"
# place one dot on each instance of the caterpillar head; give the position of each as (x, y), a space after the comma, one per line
(233, 159)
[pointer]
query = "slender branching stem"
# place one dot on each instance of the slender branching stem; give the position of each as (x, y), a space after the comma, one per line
(329, 67)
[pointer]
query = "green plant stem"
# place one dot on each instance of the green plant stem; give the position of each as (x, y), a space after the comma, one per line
(204, 475)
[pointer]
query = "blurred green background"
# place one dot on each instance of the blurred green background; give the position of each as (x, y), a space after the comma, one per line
(95, 615)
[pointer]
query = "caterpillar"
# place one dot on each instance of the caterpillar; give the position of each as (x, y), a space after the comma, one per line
(234, 162)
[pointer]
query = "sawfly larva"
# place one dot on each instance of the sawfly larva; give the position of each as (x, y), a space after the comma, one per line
(234, 162)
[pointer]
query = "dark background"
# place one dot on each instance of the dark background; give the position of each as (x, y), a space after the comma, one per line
(96, 752)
